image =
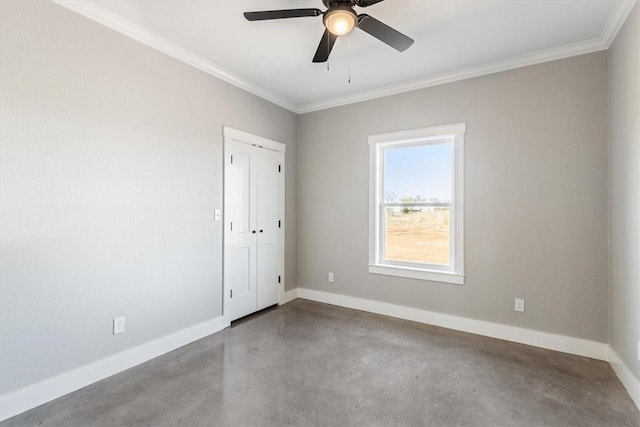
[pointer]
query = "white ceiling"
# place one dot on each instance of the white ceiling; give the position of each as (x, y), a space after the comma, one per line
(453, 40)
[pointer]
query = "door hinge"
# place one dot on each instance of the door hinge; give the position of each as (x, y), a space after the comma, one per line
(230, 293)
(279, 168)
(279, 224)
(230, 226)
(232, 159)
(279, 279)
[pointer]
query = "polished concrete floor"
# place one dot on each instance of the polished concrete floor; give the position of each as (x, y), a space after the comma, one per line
(310, 364)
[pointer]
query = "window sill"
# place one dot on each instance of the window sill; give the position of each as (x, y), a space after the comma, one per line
(417, 273)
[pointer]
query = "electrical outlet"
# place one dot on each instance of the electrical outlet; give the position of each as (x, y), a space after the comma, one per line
(519, 305)
(118, 325)
(330, 277)
(217, 215)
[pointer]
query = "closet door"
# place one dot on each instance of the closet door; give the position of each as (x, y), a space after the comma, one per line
(253, 223)
(240, 229)
(269, 220)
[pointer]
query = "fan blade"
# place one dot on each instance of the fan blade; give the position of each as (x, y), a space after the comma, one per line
(279, 14)
(325, 46)
(384, 33)
(365, 3)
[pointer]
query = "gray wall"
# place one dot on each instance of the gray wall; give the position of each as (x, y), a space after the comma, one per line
(624, 192)
(535, 196)
(111, 167)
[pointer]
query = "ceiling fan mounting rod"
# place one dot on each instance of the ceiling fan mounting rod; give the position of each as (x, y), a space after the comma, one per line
(331, 3)
(360, 3)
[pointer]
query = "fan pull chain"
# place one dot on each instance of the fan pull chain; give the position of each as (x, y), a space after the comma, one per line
(328, 51)
(349, 79)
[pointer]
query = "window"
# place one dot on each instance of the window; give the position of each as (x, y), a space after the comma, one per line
(416, 204)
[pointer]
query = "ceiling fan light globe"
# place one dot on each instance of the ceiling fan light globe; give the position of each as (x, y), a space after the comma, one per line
(340, 21)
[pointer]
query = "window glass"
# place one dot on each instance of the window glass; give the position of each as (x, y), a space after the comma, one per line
(418, 235)
(415, 178)
(418, 171)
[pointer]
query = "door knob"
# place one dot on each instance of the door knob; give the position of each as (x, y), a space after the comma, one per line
(253, 231)
(261, 231)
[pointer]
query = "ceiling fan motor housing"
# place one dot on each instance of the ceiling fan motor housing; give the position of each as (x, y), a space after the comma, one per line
(340, 19)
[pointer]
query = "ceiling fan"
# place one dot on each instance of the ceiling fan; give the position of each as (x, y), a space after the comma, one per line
(339, 19)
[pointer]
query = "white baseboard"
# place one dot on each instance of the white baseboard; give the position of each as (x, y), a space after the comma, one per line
(628, 380)
(289, 296)
(565, 344)
(579, 346)
(29, 397)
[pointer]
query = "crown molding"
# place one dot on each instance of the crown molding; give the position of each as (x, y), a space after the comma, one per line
(616, 19)
(618, 16)
(538, 57)
(109, 19)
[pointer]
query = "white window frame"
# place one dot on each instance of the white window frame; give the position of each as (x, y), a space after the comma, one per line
(454, 273)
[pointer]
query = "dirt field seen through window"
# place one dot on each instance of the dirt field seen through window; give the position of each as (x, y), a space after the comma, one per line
(419, 236)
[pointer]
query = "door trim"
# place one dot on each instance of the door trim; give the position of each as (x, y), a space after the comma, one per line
(248, 138)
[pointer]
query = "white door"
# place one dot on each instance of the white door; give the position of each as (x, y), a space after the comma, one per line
(240, 236)
(269, 201)
(254, 223)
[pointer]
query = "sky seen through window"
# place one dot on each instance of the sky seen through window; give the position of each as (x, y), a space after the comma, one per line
(423, 170)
